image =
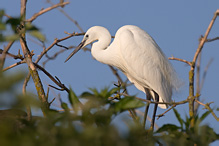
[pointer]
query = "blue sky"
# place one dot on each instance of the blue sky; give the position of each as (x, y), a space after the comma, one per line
(176, 26)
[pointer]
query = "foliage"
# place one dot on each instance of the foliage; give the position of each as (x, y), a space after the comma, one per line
(87, 120)
(15, 26)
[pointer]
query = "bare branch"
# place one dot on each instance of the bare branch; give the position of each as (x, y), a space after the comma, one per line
(45, 10)
(207, 106)
(13, 65)
(54, 43)
(203, 40)
(71, 19)
(4, 52)
(56, 81)
(181, 60)
(211, 40)
(161, 115)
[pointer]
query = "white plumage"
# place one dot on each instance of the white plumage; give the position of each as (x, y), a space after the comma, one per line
(137, 55)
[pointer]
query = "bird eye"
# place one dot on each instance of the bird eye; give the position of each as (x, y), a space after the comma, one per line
(87, 36)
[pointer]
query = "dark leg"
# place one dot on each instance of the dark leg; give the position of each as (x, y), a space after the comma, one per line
(155, 110)
(148, 97)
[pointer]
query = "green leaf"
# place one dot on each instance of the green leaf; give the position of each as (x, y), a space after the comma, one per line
(113, 90)
(73, 99)
(128, 102)
(2, 26)
(64, 106)
(204, 115)
(14, 22)
(37, 34)
(86, 95)
(178, 117)
(13, 37)
(168, 128)
(30, 27)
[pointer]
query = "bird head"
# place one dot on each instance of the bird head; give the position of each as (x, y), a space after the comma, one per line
(89, 37)
(93, 34)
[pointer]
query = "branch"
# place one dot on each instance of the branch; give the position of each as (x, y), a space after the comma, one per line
(161, 115)
(56, 81)
(211, 40)
(191, 97)
(4, 52)
(181, 60)
(153, 102)
(28, 59)
(207, 106)
(45, 10)
(71, 19)
(203, 40)
(13, 65)
(54, 43)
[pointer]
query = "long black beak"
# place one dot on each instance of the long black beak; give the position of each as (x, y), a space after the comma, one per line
(76, 50)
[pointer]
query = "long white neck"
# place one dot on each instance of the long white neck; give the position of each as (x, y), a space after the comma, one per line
(101, 51)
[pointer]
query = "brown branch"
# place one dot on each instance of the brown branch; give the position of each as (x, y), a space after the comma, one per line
(161, 115)
(207, 106)
(45, 10)
(181, 60)
(71, 19)
(191, 97)
(54, 43)
(4, 52)
(203, 40)
(211, 40)
(56, 81)
(153, 102)
(28, 59)
(13, 65)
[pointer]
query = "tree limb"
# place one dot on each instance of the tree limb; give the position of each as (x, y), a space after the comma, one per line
(45, 10)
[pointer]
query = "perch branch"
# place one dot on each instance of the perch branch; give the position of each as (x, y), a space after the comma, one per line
(207, 106)
(55, 42)
(56, 81)
(46, 10)
(4, 52)
(181, 60)
(71, 19)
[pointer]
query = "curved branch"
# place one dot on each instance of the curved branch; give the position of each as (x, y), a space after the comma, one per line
(45, 10)
(207, 106)
(181, 60)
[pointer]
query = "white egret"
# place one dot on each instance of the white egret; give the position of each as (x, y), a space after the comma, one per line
(137, 55)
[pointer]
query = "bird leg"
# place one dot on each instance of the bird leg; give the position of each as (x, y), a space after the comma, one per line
(148, 97)
(155, 110)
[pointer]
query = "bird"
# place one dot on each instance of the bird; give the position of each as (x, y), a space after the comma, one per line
(137, 55)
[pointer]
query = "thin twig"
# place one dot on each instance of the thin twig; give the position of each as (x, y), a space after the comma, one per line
(161, 115)
(54, 43)
(211, 40)
(45, 10)
(13, 65)
(4, 52)
(181, 60)
(71, 19)
(191, 97)
(203, 40)
(207, 106)
(56, 81)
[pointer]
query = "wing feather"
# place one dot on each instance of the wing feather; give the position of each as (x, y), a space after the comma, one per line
(144, 63)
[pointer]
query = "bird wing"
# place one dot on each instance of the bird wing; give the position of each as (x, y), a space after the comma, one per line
(144, 62)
